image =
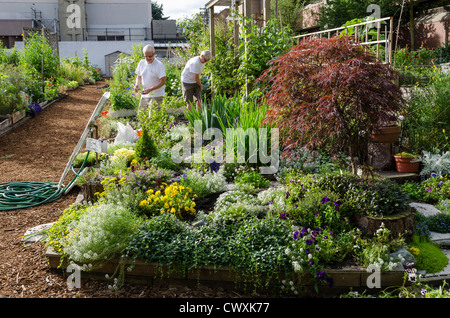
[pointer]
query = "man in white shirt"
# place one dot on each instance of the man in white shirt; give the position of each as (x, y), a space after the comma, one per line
(191, 85)
(152, 74)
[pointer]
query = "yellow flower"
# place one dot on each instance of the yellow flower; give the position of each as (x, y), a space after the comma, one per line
(173, 210)
(166, 206)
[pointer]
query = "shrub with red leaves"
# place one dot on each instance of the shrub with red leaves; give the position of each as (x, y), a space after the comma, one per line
(330, 94)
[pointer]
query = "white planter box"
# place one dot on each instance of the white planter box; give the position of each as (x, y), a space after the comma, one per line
(122, 113)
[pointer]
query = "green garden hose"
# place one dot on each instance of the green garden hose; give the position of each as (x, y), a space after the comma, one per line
(20, 195)
(25, 194)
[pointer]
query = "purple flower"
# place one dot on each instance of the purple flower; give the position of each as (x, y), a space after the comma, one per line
(337, 203)
(325, 200)
(287, 194)
(429, 189)
(270, 202)
(296, 235)
(321, 275)
(283, 216)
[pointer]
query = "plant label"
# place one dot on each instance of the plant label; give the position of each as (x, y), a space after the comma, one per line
(96, 145)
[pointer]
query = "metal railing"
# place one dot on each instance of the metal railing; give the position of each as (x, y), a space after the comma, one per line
(362, 37)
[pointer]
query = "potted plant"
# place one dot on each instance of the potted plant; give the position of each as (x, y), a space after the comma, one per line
(407, 162)
(389, 132)
(386, 134)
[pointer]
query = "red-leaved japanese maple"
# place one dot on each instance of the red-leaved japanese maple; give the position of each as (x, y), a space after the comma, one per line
(330, 94)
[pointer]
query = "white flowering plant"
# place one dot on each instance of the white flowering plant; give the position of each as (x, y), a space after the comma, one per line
(99, 234)
(204, 183)
(274, 198)
(375, 250)
(233, 197)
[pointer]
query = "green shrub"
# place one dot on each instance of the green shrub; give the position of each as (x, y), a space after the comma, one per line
(439, 222)
(425, 127)
(430, 258)
(431, 190)
(377, 197)
(15, 86)
(253, 178)
(258, 247)
(39, 56)
(444, 205)
(145, 146)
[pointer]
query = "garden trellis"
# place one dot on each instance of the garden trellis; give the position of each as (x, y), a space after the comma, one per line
(364, 28)
(19, 195)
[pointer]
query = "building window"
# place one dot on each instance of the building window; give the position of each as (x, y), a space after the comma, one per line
(111, 38)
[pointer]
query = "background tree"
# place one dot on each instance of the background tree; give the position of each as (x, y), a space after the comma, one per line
(337, 12)
(157, 11)
(330, 94)
(287, 12)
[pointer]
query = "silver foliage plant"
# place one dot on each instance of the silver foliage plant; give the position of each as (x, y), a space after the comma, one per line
(435, 163)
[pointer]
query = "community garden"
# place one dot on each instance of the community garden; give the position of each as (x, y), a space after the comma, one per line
(272, 179)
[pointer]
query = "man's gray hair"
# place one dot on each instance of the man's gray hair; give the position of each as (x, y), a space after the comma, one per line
(206, 54)
(148, 48)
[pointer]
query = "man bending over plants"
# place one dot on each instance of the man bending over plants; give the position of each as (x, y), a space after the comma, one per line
(191, 85)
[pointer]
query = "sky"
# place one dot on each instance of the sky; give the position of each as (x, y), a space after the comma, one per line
(177, 9)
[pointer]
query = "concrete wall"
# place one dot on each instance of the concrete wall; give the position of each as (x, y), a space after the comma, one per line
(96, 50)
(45, 9)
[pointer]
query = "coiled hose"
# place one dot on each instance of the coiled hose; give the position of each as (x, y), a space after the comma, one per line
(25, 194)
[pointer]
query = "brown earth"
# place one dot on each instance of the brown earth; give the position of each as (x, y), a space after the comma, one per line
(38, 150)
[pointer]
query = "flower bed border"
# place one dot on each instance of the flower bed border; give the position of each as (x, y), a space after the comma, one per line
(157, 275)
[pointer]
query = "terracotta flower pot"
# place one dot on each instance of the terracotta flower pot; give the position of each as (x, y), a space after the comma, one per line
(387, 134)
(404, 164)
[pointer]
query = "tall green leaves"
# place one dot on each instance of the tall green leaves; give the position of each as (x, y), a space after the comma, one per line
(261, 46)
(39, 56)
(235, 67)
(427, 119)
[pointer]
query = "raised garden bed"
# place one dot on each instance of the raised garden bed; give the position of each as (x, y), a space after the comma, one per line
(154, 274)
